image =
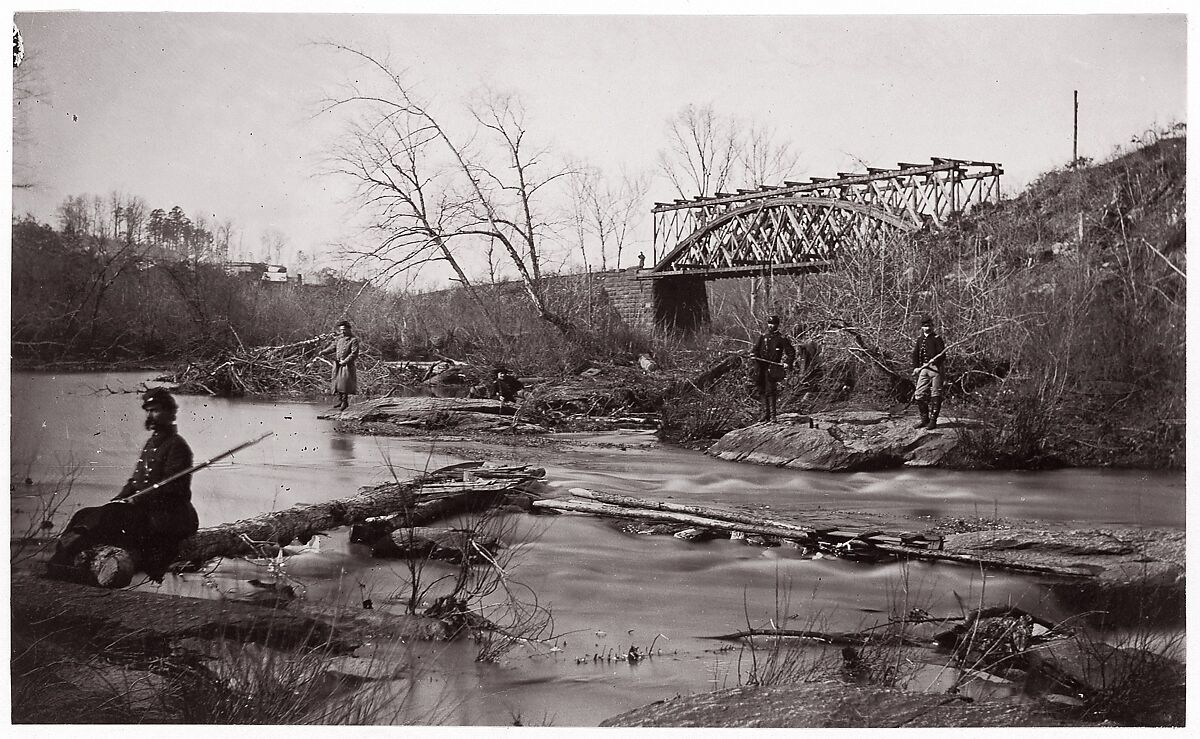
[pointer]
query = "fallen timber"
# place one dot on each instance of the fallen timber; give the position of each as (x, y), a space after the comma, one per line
(616, 511)
(453, 545)
(422, 500)
(947, 639)
(851, 544)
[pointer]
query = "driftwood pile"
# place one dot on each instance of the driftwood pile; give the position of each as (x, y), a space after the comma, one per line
(287, 369)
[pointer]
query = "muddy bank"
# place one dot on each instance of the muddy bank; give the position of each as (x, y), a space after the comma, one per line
(92, 618)
(89, 655)
(835, 705)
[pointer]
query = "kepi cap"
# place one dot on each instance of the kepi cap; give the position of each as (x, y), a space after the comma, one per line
(159, 396)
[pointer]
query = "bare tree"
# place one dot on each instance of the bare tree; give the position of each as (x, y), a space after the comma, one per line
(134, 213)
(273, 242)
(763, 158)
(98, 218)
(701, 152)
(84, 225)
(117, 208)
(430, 189)
(223, 237)
(604, 213)
(582, 185)
(707, 153)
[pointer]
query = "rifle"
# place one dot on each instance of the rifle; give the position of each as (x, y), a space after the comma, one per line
(897, 408)
(936, 357)
(758, 359)
(194, 468)
(964, 339)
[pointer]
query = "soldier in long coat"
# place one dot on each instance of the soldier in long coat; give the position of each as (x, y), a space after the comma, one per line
(344, 379)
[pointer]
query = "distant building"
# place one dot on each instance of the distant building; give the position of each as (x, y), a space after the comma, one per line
(275, 273)
(252, 270)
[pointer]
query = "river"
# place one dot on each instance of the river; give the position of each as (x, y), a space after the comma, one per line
(606, 589)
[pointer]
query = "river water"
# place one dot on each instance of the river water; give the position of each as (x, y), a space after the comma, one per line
(607, 590)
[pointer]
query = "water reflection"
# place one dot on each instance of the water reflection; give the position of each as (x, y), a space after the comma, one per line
(342, 447)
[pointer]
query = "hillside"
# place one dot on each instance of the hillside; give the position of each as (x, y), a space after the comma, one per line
(1064, 306)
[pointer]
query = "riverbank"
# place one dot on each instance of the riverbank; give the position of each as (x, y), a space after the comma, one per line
(720, 412)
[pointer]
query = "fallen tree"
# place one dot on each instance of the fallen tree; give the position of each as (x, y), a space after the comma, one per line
(421, 500)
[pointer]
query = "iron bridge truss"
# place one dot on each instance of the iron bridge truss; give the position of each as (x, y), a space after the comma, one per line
(803, 227)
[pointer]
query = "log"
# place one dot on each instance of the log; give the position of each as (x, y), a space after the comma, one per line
(713, 513)
(615, 511)
(836, 638)
(398, 409)
(429, 497)
(107, 566)
(709, 376)
(453, 545)
(940, 555)
(619, 506)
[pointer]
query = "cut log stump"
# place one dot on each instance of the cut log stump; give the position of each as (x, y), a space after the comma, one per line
(106, 566)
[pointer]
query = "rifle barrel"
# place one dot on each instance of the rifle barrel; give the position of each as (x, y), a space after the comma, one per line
(202, 465)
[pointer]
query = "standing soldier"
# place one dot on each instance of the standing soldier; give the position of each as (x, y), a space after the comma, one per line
(928, 359)
(344, 379)
(773, 355)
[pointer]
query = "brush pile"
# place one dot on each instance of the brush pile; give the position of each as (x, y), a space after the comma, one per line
(287, 369)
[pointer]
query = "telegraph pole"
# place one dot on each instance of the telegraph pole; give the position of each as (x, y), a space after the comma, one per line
(1075, 137)
(1075, 164)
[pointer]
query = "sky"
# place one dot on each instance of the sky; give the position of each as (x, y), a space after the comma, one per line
(220, 113)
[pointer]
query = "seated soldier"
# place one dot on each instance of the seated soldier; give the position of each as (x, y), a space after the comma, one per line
(507, 386)
(145, 518)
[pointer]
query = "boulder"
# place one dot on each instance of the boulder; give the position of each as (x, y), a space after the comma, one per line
(838, 442)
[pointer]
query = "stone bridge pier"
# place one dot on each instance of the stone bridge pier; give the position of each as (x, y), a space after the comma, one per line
(676, 304)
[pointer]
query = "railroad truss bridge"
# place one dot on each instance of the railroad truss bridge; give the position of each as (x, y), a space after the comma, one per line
(800, 227)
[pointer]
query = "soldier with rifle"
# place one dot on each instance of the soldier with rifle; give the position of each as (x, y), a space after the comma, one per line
(774, 355)
(928, 361)
(153, 512)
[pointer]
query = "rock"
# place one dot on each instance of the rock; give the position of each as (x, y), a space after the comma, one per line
(855, 440)
(833, 704)
(416, 409)
(1137, 575)
(1148, 558)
